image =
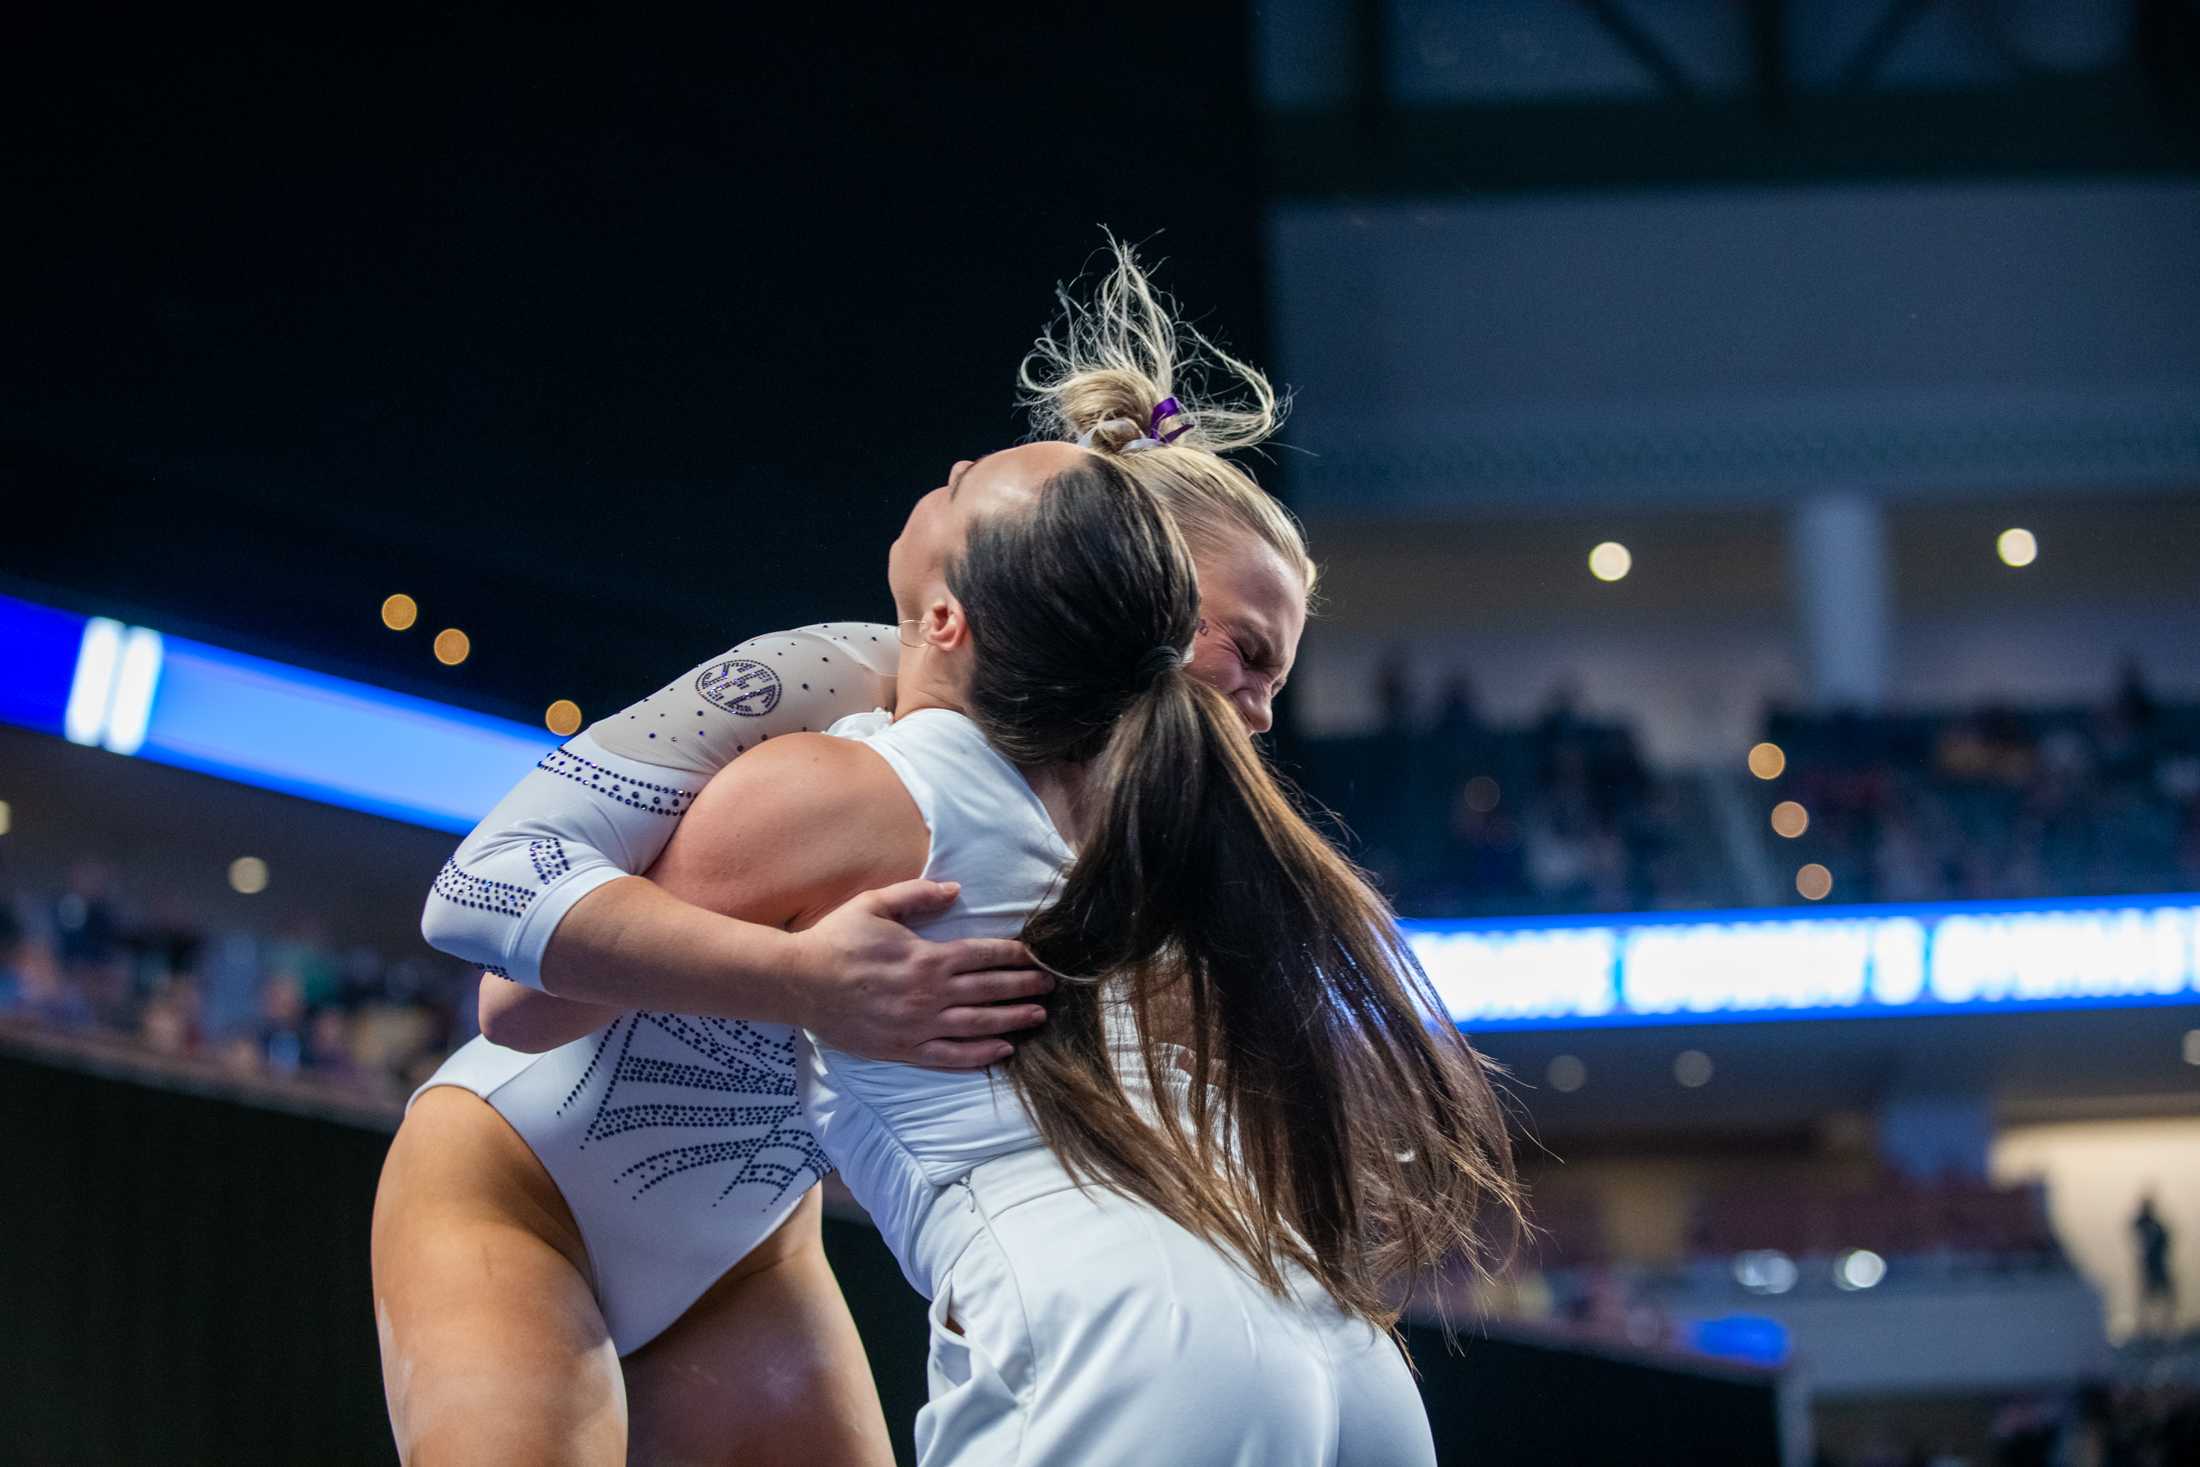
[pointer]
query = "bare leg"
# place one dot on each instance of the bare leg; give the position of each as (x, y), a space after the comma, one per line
(493, 1347)
(765, 1369)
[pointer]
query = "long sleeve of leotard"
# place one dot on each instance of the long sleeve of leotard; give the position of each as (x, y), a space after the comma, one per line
(603, 805)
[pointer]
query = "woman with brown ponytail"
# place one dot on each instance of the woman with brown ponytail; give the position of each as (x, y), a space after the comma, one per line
(1236, 1061)
(1169, 1227)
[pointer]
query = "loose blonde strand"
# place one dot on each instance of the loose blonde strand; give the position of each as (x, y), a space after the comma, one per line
(1098, 373)
(1115, 358)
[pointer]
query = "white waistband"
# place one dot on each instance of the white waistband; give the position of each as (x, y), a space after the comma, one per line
(963, 1207)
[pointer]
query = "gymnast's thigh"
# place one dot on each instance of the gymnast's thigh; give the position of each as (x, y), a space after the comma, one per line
(493, 1347)
(764, 1369)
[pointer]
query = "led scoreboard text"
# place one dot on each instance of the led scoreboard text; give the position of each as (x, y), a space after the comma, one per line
(1843, 962)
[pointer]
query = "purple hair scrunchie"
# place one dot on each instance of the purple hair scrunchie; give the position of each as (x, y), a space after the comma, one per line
(1162, 411)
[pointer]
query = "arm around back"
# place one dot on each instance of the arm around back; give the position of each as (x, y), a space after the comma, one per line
(532, 1021)
(807, 835)
(776, 840)
(604, 805)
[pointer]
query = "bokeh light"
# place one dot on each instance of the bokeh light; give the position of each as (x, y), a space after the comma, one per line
(399, 612)
(1859, 1268)
(1692, 1067)
(1767, 760)
(1567, 1073)
(7, 818)
(1610, 561)
(1790, 819)
(563, 717)
(1483, 794)
(1814, 882)
(2192, 1046)
(2017, 547)
(248, 875)
(1766, 1271)
(452, 646)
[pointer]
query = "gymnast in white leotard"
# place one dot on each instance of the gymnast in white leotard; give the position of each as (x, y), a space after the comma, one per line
(674, 1138)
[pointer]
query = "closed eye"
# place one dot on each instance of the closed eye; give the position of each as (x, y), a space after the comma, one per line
(1262, 660)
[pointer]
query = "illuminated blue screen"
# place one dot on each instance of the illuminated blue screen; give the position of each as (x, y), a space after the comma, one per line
(1839, 962)
(38, 659)
(267, 724)
(334, 740)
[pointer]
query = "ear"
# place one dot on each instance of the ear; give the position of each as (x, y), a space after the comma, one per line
(945, 628)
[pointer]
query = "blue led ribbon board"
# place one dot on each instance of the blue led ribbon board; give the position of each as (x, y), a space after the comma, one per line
(1837, 963)
(38, 651)
(331, 739)
(180, 702)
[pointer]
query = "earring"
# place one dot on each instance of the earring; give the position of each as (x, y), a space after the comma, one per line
(901, 637)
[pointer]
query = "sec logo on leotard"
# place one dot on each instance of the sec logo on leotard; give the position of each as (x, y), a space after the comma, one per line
(739, 686)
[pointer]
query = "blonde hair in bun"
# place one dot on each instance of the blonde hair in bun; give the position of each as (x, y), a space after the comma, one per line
(1107, 362)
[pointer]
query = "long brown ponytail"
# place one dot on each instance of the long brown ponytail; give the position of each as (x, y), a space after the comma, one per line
(1330, 1120)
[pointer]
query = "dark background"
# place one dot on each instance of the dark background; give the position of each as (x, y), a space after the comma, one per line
(612, 335)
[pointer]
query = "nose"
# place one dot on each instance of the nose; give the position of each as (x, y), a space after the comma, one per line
(1259, 713)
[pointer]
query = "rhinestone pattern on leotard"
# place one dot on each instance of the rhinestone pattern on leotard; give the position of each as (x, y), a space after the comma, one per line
(549, 858)
(658, 799)
(454, 883)
(762, 1138)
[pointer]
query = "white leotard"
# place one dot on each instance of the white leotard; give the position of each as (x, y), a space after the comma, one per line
(1072, 1325)
(675, 1139)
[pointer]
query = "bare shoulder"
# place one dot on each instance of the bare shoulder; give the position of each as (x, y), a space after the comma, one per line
(813, 767)
(810, 816)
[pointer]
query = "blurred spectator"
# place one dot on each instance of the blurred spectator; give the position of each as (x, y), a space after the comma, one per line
(282, 1039)
(2134, 705)
(328, 1048)
(2157, 1289)
(170, 1021)
(1458, 718)
(1393, 694)
(11, 952)
(297, 1007)
(84, 923)
(47, 995)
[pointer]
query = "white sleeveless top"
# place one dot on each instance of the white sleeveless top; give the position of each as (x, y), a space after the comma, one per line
(901, 1135)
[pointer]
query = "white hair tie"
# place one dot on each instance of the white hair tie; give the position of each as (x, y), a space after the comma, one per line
(1136, 445)
(1091, 436)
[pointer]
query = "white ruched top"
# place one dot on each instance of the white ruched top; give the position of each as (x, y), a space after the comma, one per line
(900, 1135)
